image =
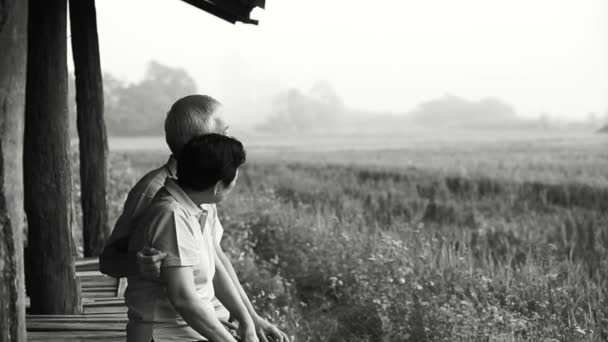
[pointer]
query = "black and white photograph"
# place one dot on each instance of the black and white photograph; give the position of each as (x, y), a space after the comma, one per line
(303, 171)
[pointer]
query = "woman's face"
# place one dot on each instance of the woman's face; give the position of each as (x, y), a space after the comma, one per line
(223, 192)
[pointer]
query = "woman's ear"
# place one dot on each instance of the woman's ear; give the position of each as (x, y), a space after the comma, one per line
(218, 188)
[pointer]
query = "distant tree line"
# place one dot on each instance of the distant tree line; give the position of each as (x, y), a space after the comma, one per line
(453, 111)
(135, 109)
(139, 109)
(295, 111)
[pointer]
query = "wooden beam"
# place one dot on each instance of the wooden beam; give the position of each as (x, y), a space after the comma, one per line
(94, 176)
(50, 277)
(231, 11)
(212, 9)
(13, 44)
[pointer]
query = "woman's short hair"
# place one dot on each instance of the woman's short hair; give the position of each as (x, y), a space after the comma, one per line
(188, 117)
(208, 159)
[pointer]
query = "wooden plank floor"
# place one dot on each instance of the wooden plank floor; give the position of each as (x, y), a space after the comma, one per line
(104, 314)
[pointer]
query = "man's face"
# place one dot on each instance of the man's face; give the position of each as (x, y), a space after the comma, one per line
(220, 125)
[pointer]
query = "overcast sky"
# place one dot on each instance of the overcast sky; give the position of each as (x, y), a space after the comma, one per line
(382, 55)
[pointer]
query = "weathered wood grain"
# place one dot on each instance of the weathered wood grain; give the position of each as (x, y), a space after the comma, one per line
(13, 44)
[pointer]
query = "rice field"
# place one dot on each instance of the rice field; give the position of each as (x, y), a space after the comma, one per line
(486, 240)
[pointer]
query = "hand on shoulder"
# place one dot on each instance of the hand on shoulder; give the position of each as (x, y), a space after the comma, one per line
(149, 261)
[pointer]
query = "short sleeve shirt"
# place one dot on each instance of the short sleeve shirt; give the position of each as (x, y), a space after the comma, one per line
(140, 197)
(175, 225)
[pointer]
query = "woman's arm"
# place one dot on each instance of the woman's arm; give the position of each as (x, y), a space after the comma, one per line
(198, 313)
(227, 293)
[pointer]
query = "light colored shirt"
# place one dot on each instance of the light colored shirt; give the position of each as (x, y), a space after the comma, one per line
(139, 199)
(177, 226)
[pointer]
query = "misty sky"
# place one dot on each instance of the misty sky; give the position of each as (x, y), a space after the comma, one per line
(539, 55)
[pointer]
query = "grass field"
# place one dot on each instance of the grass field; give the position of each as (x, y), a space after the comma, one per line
(430, 241)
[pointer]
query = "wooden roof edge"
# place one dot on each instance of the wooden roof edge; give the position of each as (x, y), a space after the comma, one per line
(259, 3)
(230, 10)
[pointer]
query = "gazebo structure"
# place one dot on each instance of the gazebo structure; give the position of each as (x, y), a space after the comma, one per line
(35, 178)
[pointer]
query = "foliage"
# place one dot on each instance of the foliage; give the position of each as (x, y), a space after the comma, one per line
(356, 253)
(140, 108)
(411, 276)
(451, 110)
(296, 111)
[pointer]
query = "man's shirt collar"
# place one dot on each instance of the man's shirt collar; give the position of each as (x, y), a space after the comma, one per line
(171, 166)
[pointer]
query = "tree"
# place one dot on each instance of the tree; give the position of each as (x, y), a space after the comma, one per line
(296, 111)
(451, 110)
(13, 44)
(140, 108)
(330, 106)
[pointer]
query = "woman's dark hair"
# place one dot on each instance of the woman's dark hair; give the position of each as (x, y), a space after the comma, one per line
(207, 159)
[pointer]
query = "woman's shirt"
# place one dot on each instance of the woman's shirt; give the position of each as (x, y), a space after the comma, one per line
(172, 224)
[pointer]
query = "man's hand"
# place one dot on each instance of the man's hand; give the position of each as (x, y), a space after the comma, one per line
(149, 261)
(267, 330)
(248, 333)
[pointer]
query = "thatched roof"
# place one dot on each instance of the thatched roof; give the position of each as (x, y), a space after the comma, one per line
(229, 10)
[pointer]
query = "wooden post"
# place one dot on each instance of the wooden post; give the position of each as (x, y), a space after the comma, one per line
(50, 275)
(94, 174)
(13, 44)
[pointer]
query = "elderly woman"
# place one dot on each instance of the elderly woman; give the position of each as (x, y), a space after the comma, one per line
(181, 222)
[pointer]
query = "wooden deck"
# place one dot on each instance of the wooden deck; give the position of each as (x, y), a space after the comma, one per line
(104, 314)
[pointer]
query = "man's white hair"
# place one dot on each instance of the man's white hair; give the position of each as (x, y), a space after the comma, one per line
(190, 116)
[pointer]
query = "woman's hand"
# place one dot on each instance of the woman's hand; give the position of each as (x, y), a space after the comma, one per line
(199, 314)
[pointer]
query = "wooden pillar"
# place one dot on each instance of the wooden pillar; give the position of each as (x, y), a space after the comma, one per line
(49, 264)
(91, 127)
(13, 44)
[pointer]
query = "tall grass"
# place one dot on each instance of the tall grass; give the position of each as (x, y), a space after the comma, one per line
(407, 257)
(406, 253)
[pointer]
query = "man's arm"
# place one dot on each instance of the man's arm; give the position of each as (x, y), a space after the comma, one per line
(227, 293)
(117, 262)
(199, 314)
(223, 258)
(263, 327)
(115, 259)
